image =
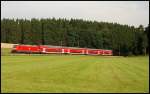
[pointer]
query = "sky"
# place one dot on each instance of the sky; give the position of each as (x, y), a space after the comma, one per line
(133, 13)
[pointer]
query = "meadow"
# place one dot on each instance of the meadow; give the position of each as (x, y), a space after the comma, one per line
(73, 73)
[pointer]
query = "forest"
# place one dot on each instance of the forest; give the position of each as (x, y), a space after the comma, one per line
(122, 39)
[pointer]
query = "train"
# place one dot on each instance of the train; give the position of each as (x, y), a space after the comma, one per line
(46, 49)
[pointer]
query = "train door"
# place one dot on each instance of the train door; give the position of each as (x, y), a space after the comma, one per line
(44, 50)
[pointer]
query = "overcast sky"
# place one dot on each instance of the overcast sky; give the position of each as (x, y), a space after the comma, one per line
(123, 12)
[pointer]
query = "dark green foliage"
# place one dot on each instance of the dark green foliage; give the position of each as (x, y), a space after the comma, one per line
(26, 32)
(36, 31)
(122, 39)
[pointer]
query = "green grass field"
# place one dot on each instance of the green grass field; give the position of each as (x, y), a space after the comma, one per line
(74, 73)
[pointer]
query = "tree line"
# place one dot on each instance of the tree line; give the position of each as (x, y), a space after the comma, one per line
(122, 39)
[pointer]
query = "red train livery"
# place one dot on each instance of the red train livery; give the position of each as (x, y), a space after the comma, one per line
(59, 50)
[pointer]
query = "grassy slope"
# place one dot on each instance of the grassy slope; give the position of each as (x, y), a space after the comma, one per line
(74, 74)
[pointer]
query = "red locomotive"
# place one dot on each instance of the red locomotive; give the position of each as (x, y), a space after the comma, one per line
(60, 50)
